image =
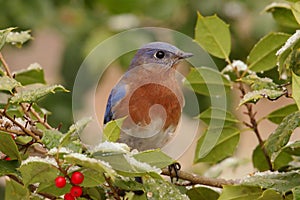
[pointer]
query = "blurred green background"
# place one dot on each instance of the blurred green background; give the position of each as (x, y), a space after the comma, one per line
(82, 24)
(79, 25)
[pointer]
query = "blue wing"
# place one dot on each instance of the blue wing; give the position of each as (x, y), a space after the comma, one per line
(116, 95)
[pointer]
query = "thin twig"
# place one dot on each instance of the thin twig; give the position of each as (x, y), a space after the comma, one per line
(253, 122)
(5, 66)
(196, 179)
(113, 189)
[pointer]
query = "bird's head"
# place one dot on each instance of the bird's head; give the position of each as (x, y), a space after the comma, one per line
(160, 53)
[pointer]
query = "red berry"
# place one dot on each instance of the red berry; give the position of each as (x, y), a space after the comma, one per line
(76, 191)
(60, 182)
(69, 196)
(77, 178)
(7, 158)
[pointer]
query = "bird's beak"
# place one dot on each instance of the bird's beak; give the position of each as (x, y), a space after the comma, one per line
(184, 55)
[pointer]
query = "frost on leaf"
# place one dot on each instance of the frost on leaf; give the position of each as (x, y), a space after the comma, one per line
(110, 147)
(254, 96)
(18, 38)
(289, 43)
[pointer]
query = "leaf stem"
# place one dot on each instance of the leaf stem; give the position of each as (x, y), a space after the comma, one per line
(5, 65)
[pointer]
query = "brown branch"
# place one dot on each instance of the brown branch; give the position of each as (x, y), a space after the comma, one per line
(5, 65)
(196, 179)
(253, 123)
(113, 189)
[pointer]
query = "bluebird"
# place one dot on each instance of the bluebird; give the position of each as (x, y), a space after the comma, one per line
(149, 97)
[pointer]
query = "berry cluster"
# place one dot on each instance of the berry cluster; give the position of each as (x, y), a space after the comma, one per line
(76, 179)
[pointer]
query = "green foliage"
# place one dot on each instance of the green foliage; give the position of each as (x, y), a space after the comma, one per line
(111, 168)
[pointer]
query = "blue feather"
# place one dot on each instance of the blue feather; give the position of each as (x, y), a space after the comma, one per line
(116, 95)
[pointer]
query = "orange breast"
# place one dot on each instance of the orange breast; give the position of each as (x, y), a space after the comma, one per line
(152, 94)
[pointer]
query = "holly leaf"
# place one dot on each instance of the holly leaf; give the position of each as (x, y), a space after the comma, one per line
(223, 148)
(8, 146)
(277, 115)
(3, 36)
(33, 74)
(8, 84)
(279, 181)
(18, 38)
(283, 15)
(207, 81)
(296, 89)
(112, 130)
(262, 56)
(217, 114)
(34, 95)
(213, 35)
(237, 192)
(280, 137)
(202, 193)
(16, 191)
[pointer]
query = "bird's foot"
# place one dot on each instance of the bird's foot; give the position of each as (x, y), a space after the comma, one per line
(173, 170)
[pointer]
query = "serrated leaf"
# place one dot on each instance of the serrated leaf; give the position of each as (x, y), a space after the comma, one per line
(8, 84)
(154, 158)
(282, 14)
(202, 193)
(206, 81)
(259, 83)
(38, 172)
(280, 137)
(262, 56)
(218, 115)
(3, 36)
(34, 95)
(18, 38)
(33, 74)
(256, 95)
(112, 130)
(213, 35)
(280, 181)
(223, 148)
(239, 192)
(8, 167)
(277, 115)
(8, 146)
(15, 191)
(296, 89)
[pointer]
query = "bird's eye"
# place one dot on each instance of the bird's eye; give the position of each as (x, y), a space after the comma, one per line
(159, 54)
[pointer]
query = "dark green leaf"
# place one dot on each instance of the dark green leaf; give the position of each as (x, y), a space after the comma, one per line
(41, 170)
(296, 89)
(112, 130)
(259, 160)
(34, 95)
(202, 193)
(282, 14)
(33, 74)
(213, 35)
(8, 84)
(129, 184)
(50, 188)
(277, 115)
(207, 81)
(262, 57)
(15, 191)
(8, 146)
(239, 192)
(292, 148)
(280, 137)
(218, 115)
(8, 167)
(225, 146)
(279, 181)
(92, 178)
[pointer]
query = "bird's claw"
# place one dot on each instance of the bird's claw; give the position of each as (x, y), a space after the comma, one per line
(174, 167)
